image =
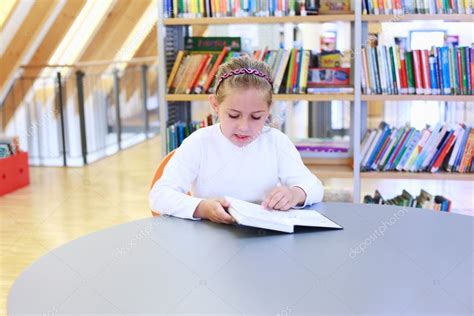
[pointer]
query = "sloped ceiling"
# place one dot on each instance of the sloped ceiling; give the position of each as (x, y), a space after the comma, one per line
(32, 31)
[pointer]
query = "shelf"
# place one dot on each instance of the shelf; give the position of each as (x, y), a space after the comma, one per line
(418, 175)
(276, 97)
(412, 97)
(260, 20)
(330, 167)
(394, 18)
(331, 171)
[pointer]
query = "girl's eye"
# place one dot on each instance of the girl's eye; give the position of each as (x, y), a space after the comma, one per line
(233, 116)
(256, 117)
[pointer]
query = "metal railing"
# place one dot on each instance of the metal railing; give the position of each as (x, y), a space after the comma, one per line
(72, 115)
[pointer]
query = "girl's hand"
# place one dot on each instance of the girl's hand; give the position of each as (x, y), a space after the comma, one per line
(283, 198)
(214, 210)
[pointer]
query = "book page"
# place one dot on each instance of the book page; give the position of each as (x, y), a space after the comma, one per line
(256, 211)
(291, 217)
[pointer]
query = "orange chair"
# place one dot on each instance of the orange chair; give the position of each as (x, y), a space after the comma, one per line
(159, 173)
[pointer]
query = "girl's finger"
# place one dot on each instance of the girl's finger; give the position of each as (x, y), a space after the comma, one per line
(287, 206)
(270, 195)
(281, 203)
(275, 199)
(223, 215)
(223, 202)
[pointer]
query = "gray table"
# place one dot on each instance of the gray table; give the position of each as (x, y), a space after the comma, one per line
(386, 261)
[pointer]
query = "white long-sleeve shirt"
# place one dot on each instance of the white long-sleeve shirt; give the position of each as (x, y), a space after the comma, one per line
(210, 165)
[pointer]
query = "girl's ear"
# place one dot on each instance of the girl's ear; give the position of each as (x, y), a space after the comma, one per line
(213, 103)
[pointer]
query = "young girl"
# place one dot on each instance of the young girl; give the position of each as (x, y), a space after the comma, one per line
(238, 157)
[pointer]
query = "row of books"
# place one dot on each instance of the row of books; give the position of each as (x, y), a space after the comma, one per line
(177, 132)
(442, 70)
(239, 8)
(9, 146)
(416, 7)
(194, 72)
(443, 147)
(423, 200)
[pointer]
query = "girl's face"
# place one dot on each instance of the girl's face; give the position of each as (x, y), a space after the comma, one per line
(242, 115)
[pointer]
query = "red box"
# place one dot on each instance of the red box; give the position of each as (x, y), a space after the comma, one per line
(14, 173)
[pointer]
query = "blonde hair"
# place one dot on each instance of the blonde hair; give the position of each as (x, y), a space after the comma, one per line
(245, 80)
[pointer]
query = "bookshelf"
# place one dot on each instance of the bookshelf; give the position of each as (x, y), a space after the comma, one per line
(276, 97)
(418, 175)
(259, 20)
(418, 17)
(447, 98)
(359, 34)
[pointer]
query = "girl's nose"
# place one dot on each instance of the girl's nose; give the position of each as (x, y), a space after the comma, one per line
(243, 124)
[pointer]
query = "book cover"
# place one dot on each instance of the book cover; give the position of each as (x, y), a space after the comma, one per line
(433, 148)
(456, 148)
(212, 43)
(433, 81)
(445, 149)
(424, 152)
(403, 149)
(438, 149)
(320, 77)
(394, 67)
(383, 148)
(305, 71)
(462, 149)
(417, 150)
(366, 88)
(410, 74)
(334, 6)
(468, 152)
(425, 66)
(214, 69)
(283, 65)
(445, 70)
(410, 148)
(417, 68)
(175, 68)
(391, 147)
(398, 147)
(402, 69)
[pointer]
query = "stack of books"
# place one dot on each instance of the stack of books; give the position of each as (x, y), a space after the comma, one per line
(177, 132)
(423, 200)
(329, 76)
(9, 146)
(289, 68)
(416, 7)
(442, 147)
(442, 70)
(239, 8)
(294, 71)
(195, 68)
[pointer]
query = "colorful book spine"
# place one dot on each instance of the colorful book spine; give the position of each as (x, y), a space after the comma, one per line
(379, 7)
(443, 70)
(433, 74)
(443, 147)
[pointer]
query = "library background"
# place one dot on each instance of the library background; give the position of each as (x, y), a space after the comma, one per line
(376, 95)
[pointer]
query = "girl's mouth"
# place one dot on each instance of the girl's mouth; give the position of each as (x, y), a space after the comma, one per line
(241, 137)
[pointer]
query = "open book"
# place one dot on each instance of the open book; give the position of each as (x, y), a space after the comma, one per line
(250, 214)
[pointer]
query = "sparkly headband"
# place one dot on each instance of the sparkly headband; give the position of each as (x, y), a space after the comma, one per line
(244, 71)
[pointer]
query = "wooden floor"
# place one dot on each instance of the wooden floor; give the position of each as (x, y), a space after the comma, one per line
(62, 204)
